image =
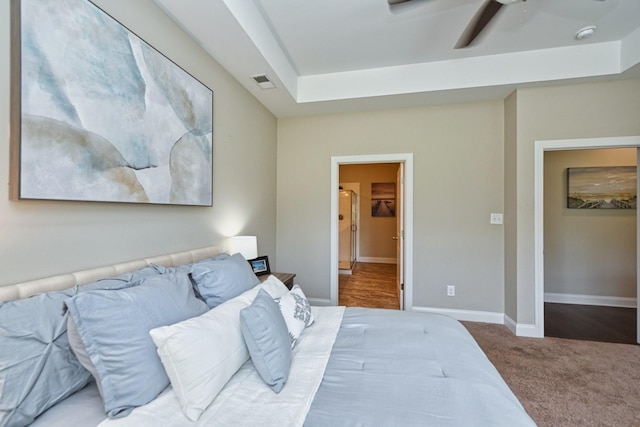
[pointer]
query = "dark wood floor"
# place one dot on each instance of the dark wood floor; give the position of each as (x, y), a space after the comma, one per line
(590, 323)
(370, 285)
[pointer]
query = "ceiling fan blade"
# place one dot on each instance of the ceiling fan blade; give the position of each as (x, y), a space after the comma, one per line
(480, 20)
(392, 2)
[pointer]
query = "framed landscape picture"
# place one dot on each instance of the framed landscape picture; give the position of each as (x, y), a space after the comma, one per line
(98, 114)
(383, 199)
(602, 188)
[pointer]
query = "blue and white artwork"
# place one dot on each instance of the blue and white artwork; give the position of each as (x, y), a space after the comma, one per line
(106, 117)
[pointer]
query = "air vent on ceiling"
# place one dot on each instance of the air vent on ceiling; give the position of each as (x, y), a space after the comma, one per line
(263, 81)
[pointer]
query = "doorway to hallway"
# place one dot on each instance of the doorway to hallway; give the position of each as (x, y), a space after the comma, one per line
(369, 219)
(401, 241)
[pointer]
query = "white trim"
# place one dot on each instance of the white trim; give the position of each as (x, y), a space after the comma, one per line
(511, 324)
(527, 330)
(521, 329)
(609, 301)
(539, 148)
(377, 260)
(407, 159)
(335, 256)
(466, 315)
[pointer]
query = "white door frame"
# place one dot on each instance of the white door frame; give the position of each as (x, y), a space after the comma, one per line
(407, 159)
(555, 145)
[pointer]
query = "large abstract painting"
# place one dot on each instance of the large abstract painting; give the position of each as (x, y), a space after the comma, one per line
(100, 115)
(602, 188)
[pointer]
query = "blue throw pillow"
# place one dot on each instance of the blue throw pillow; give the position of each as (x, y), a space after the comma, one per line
(219, 280)
(186, 268)
(267, 339)
(111, 336)
(37, 366)
(121, 281)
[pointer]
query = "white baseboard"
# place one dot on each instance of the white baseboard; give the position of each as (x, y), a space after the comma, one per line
(319, 302)
(511, 324)
(378, 260)
(590, 300)
(522, 329)
(528, 330)
(467, 315)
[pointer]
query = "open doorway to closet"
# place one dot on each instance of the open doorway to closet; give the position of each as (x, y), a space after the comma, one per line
(378, 271)
(541, 251)
(590, 252)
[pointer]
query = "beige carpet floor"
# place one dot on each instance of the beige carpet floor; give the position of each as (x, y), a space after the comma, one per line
(564, 382)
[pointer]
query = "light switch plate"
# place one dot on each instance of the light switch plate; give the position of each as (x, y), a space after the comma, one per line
(496, 218)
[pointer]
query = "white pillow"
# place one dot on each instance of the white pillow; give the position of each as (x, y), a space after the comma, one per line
(201, 354)
(272, 285)
(296, 312)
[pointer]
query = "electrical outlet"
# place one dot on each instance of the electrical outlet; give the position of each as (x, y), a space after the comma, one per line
(451, 291)
(495, 218)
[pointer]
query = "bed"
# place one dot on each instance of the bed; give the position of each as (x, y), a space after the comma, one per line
(192, 339)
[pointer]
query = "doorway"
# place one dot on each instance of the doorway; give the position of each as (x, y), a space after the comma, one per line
(590, 253)
(540, 148)
(405, 162)
(370, 279)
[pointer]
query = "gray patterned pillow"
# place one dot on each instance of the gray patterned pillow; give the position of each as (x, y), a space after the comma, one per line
(296, 312)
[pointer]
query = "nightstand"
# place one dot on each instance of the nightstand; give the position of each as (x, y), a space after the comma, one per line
(286, 278)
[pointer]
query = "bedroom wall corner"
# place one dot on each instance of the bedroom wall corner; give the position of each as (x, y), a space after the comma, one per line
(43, 238)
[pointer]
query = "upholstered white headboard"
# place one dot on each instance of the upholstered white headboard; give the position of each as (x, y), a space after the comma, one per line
(64, 281)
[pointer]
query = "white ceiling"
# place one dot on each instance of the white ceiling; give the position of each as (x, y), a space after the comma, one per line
(346, 55)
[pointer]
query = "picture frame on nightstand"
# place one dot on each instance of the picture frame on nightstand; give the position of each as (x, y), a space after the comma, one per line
(260, 265)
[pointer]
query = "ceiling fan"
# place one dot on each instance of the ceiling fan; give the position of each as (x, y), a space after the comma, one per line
(480, 20)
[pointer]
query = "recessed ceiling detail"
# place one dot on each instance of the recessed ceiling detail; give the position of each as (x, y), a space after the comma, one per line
(335, 55)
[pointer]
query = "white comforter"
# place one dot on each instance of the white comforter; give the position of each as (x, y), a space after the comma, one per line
(246, 400)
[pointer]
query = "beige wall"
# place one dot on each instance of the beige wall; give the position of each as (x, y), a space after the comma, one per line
(469, 160)
(592, 251)
(458, 181)
(376, 233)
(40, 238)
(592, 110)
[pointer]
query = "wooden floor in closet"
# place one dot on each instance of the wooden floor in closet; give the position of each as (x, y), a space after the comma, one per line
(590, 323)
(370, 285)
